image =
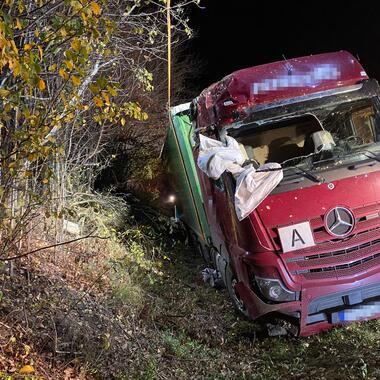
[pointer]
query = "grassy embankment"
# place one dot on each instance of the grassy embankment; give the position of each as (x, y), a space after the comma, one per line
(139, 310)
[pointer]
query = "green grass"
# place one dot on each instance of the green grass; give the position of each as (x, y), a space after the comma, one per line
(202, 338)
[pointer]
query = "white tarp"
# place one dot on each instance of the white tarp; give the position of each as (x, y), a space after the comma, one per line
(252, 185)
(215, 158)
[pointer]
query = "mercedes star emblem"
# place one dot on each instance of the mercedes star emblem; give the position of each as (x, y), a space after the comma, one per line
(339, 221)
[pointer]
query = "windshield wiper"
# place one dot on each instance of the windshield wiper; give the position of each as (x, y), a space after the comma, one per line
(370, 154)
(307, 174)
(367, 153)
(304, 172)
(364, 152)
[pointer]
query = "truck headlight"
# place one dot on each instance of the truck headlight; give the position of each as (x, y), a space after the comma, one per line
(274, 290)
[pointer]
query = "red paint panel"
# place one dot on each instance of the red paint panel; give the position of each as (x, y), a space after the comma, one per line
(313, 202)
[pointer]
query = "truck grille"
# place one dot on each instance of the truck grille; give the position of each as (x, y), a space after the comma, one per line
(340, 270)
(334, 261)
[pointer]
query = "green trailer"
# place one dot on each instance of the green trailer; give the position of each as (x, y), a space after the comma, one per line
(183, 173)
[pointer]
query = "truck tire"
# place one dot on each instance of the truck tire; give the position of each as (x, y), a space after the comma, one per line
(231, 281)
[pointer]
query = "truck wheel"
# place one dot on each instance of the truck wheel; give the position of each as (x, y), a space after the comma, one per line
(231, 281)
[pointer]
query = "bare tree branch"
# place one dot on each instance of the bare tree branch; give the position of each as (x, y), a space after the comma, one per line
(54, 245)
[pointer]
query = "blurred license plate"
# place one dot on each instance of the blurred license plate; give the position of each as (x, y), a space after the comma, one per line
(359, 312)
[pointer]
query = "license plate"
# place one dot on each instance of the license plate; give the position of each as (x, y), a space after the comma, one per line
(360, 312)
(296, 236)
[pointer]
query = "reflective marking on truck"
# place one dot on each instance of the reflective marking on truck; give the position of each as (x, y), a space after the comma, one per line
(296, 236)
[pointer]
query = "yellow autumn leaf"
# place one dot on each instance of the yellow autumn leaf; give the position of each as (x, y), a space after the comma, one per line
(112, 91)
(69, 64)
(15, 67)
(40, 51)
(14, 47)
(122, 121)
(3, 93)
(45, 180)
(106, 98)
(26, 370)
(52, 67)
(75, 44)
(18, 24)
(96, 8)
(75, 80)
(98, 101)
(84, 16)
(28, 47)
(62, 73)
(32, 157)
(41, 84)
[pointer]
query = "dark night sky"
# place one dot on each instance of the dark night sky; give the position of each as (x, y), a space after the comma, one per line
(233, 34)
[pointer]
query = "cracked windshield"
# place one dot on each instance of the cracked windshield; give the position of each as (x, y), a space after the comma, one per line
(347, 132)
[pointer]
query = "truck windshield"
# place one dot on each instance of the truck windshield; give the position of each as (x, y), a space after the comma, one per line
(353, 126)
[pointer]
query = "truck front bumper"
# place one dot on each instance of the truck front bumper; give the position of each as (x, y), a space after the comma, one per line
(321, 307)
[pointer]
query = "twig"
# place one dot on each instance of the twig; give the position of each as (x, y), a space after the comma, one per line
(3, 324)
(26, 317)
(55, 335)
(53, 245)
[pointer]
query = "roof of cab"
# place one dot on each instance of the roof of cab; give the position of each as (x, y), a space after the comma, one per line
(220, 103)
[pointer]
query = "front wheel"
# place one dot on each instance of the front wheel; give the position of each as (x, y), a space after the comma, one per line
(231, 282)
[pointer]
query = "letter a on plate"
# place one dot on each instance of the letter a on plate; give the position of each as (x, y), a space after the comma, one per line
(296, 236)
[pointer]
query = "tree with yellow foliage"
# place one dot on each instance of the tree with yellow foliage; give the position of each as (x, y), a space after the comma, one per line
(69, 74)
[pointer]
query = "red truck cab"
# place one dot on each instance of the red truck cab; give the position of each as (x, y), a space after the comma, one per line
(310, 252)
